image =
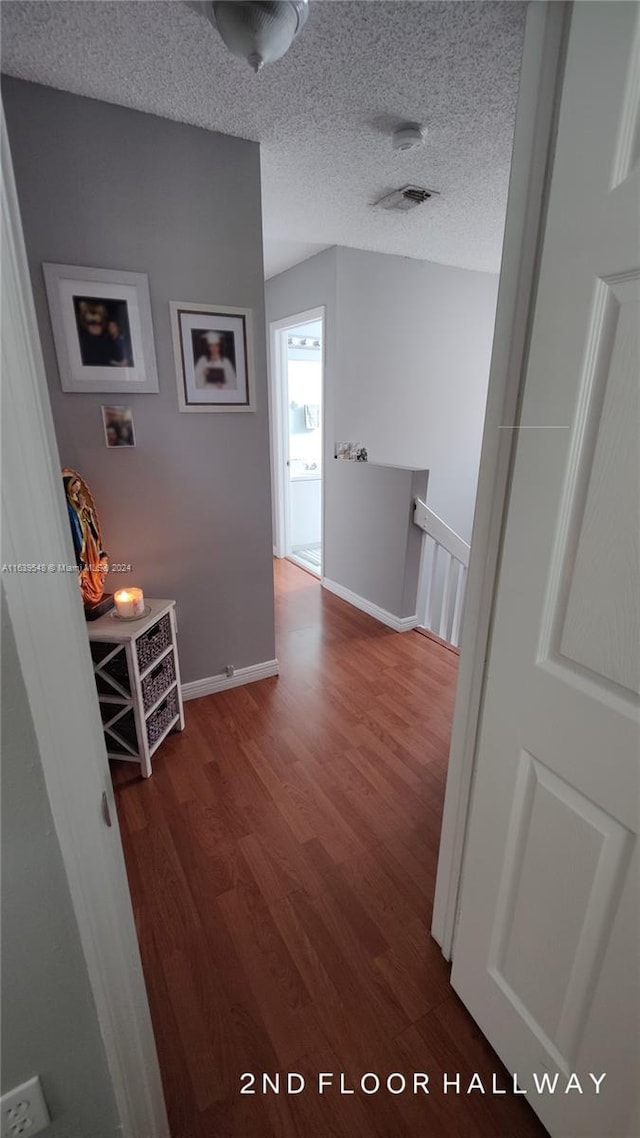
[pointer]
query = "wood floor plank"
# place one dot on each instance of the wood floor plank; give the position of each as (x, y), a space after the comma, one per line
(162, 889)
(329, 1115)
(229, 1024)
(359, 982)
(434, 1114)
(246, 788)
(208, 858)
(288, 1013)
(468, 1054)
(282, 864)
(372, 740)
(390, 789)
(176, 1080)
(190, 1018)
(367, 823)
(415, 971)
(334, 829)
(273, 871)
(419, 867)
(418, 899)
(390, 911)
(286, 796)
(351, 911)
(359, 1033)
(130, 805)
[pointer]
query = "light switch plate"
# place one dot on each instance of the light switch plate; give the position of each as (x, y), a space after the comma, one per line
(23, 1110)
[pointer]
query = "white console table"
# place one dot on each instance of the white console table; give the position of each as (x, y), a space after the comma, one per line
(137, 674)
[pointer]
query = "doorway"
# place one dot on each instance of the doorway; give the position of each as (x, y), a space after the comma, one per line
(297, 345)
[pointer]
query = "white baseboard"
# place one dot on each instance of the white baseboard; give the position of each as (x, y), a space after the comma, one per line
(397, 623)
(222, 682)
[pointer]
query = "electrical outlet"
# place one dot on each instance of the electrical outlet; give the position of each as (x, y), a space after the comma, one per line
(23, 1110)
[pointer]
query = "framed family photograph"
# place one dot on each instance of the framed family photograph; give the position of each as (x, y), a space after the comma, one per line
(214, 357)
(102, 329)
(118, 426)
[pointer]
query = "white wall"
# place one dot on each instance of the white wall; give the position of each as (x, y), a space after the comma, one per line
(49, 1021)
(414, 347)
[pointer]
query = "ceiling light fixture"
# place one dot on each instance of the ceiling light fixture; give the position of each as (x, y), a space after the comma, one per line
(260, 32)
(408, 135)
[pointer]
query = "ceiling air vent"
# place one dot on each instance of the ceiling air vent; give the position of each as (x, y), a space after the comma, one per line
(406, 198)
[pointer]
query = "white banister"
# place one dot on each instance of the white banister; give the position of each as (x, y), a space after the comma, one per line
(440, 532)
(428, 608)
(457, 607)
(446, 592)
(447, 572)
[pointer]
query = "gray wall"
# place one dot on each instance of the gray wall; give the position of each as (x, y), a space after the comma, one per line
(414, 344)
(189, 506)
(409, 350)
(372, 546)
(49, 1022)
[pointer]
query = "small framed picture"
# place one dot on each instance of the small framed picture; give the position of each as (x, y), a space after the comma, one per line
(354, 452)
(118, 426)
(213, 347)
(102, 329)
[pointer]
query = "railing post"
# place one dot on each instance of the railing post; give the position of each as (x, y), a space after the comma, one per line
(431, 587)
(458, 605)
(446, 596)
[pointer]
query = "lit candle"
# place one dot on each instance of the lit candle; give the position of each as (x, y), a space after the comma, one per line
(129, 602)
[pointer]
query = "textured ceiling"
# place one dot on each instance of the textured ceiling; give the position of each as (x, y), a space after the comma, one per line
(323, 114)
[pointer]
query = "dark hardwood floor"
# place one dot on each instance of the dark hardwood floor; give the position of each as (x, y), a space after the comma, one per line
(282, 861)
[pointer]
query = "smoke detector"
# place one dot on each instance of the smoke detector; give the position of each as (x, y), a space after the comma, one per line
(406, 198)
(407, 136)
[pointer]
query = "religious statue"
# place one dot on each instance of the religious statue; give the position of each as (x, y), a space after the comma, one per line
(87, 543)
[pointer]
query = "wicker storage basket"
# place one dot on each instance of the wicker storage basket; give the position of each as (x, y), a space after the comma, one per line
(162, 716)
(158, 680)
(152, 643)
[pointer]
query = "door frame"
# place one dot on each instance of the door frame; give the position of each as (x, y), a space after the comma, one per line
(544, 47)
(279, 422)
(49, 626)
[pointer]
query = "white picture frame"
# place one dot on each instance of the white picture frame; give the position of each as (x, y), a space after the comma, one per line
(213, 350)
(102, 329)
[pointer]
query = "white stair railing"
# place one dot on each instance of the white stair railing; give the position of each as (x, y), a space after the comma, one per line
(445, 560)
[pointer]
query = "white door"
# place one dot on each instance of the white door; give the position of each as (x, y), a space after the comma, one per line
(304, 344)
(297, 436)
(546, 955)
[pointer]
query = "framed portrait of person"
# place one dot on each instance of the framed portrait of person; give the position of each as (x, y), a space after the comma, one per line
(102, 329)
(213, 348)
(117, 423)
